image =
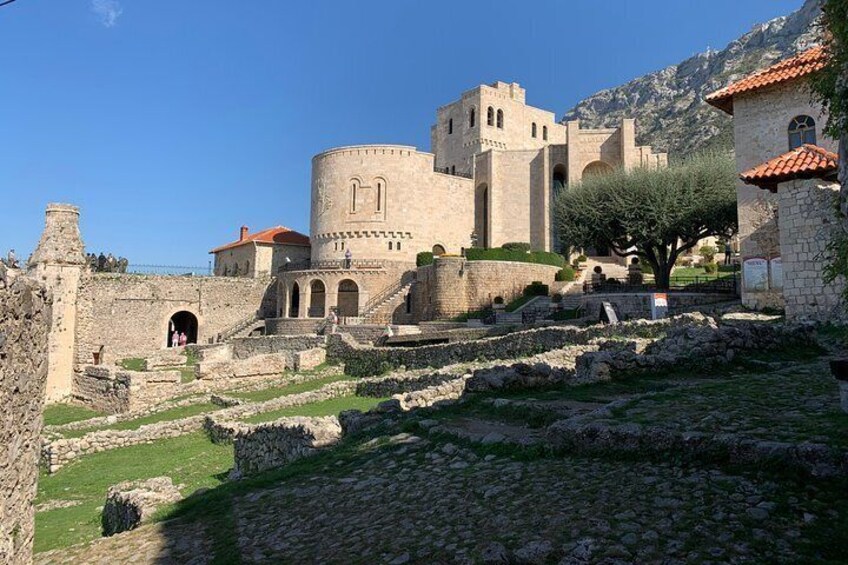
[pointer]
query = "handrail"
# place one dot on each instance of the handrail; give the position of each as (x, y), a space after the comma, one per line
(377, 300)
(341, 264)
(237, 327)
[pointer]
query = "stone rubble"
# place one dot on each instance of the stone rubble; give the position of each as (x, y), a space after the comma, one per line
(130, 503)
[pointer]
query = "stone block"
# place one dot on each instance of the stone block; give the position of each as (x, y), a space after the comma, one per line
(309, 359)
(130, 503)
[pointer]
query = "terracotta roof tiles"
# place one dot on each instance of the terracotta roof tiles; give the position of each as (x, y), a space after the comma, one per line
(278, 234)
(807, 161)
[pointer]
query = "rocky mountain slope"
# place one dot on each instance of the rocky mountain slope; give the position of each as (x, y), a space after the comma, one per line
(669, 104)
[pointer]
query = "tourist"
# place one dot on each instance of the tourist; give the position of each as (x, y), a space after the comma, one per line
(598, 277)
(348, 259)
(11, 259)
(334, 321)
(183, 339)
(728, 253)
(634, 272)
(175, 339)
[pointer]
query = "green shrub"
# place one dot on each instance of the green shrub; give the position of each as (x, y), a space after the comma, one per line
(710, 268)
(517, 246)
(536, 288)
(708, 252)
(647, 269)
(424, 258)
(582, 258)
(565, 274)
(498, 254)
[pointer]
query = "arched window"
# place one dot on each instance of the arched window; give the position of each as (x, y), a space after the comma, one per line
(354, 187)
(450, 126)
(471, 118)
(500, 119)
(533, 130)
(380, 186)
(490, 116)
(398, 246)
(802, 129)
(545, 133)
(438, 250)
(390, 246)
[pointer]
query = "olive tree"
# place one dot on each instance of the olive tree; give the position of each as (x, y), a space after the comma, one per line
(655, 214)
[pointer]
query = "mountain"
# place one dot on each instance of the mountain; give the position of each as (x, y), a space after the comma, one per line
(669, 106)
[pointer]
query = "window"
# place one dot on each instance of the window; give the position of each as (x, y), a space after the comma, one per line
(490, 116)
(453, 169)
(342, 246)
(533, 130)
(354, 185)
(398, 246)
(379, 196)
(336, 246)
(450, 126)
(545, 133)
(471, 118)
(390, 246)
(802, 130)
(500, 119)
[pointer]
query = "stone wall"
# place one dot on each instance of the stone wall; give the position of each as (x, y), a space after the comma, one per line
(265, 446)
(128, 315)
(631, 305)
(363, 360)
(24, 324)
(807, 222)
(113, 390)
(245, 347)
(255, 366)
(292, 326)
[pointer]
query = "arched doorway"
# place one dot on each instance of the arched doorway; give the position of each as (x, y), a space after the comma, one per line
(596, 168)
(348, 299)
(317, 299)
(182, 322)
(481, 215)
(557, 186)
(438, 250)
(295, 301)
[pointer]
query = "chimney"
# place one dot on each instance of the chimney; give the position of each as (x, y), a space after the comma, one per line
(242, 233)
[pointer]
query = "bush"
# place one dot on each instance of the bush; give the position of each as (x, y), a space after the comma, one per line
(424, 258)
(498, 300)
(647, 269)
(708, 252)
(498, 254)
(536, 288)
(710, 268)
(582, 258)
(566, 274)
(517, 246)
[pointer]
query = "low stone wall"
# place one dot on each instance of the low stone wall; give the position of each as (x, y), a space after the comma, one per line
(363, 360)
(220, 352)
(631, 439)
(292, 326)
(308, 359)
(245, 347)
(274, 444)
(171, 357)
(637, 305)
(130, 503)
(255, 366)
(113, 390)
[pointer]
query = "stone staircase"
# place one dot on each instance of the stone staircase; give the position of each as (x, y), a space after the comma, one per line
(381, 310)
(237, 329)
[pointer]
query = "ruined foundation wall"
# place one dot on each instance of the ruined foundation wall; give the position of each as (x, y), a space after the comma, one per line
(24, 324)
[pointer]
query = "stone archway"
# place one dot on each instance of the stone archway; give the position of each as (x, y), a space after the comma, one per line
(481, 215)
(182, 322)
(317, 299)
(294, 304)
(438, 250)
(596, 168)
(348, 299)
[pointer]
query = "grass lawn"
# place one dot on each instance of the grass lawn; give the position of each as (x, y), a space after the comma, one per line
(191, 460)
(132, 364)
(59, 414)
(163, 416)
(329, 407)
(276, 392)
(686, 274)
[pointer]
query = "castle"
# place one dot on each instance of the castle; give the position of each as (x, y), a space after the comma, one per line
(495, 169)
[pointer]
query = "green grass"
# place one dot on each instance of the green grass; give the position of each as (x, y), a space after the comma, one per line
(59, 414)
(329, 407)
(686, 274)
(190, 460)
(163, 416)
(276, 392)
(132, 364)
(518, 303)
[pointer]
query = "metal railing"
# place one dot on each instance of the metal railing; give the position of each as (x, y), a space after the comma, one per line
(360, 264)
(172, 270)
(239, 326)
(447, 171)
(726, 283)
(377, 300)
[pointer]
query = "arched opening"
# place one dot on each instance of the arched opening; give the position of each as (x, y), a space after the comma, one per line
(533, 129)
(182, 322)
(450, 126)
(596, 168)
(348, 299)
(317, 299)
(802, 129)
(500, 119)
(408, 303)
(438, 250)
(557, 186)
(354, 188)
(481, 215)
(472, 118)
(490, 116)
(545, 133)
(294, 306)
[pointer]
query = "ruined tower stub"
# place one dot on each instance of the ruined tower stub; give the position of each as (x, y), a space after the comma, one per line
(58, 262)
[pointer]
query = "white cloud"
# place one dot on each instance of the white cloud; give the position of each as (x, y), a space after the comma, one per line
(107, 11)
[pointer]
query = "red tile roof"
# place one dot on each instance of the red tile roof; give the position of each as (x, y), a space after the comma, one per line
(798, 66)
(805, 162)
(279, 234)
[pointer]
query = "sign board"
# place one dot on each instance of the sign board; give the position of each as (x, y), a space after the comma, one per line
(608, 315)
(755, 274)
(776, 272)
(659, 305)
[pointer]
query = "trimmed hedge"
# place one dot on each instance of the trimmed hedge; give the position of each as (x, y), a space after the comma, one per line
(518, 246)
(566, 274)
(497, 254)
(536, 288)
(424, 258)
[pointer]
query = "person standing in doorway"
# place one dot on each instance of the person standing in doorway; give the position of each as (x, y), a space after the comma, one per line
(175, 339)
(728, 253)
(183, 339)
(348, 259)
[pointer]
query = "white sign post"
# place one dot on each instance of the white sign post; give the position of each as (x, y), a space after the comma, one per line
(659, 305)
(755, 273)
(776, 270)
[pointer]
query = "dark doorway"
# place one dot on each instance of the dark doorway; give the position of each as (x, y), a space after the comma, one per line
(348, 299)
(182, 322)
(295, 301)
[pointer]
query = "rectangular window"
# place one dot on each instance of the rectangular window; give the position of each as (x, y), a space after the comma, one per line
(379, 196)
(398, 246)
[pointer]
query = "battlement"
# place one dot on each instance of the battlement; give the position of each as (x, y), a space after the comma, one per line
(372, 149)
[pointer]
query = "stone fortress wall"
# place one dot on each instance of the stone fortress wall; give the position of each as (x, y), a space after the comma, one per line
(761, 119)
(25, 318)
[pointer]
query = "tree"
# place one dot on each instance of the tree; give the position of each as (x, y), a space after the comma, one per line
(654, 214)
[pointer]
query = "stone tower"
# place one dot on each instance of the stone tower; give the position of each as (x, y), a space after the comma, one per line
(58, 262)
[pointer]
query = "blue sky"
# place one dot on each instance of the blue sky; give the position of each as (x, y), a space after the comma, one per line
(173, 122)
